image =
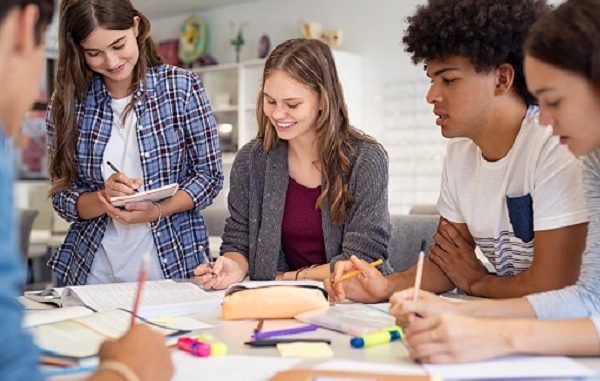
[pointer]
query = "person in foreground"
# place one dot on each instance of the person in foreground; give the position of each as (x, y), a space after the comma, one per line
(140, 352)
(311, 189)
(562, 66)
(116, 102)
(508, 187)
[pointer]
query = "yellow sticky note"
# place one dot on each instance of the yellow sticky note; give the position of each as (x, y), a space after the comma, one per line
(304, 350)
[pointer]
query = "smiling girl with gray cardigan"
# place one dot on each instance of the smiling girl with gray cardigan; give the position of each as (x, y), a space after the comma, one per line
(311, 189)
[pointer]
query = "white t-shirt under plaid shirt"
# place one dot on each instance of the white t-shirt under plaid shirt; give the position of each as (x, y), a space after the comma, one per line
(120, 254)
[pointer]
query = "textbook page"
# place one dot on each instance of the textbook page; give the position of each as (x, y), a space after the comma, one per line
(512, 367)
(82, 337)
(159, 298)
(153, 195)
(39, 317)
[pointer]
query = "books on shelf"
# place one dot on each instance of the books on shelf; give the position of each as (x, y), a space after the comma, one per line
(159, 299)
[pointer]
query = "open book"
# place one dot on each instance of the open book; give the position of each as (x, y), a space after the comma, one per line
(153, 195)
(159, 299)
(80, 337)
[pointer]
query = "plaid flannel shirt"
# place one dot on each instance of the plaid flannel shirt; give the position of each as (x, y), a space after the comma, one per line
(178, 142)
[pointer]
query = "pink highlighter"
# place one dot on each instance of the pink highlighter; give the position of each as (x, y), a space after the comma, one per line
(193, 346)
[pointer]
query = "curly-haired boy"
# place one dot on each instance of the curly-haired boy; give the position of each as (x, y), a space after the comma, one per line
(508, 187)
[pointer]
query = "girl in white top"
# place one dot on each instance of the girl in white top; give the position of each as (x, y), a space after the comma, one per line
(563, 71)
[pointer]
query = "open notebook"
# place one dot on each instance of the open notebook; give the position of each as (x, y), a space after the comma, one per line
(159, 299)
(153, 195)
(80, 337)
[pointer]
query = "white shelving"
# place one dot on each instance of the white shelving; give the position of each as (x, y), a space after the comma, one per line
(228, 86)
(233, 88)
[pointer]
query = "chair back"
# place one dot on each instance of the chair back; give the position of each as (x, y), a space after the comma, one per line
(26, 218)
(407, 233)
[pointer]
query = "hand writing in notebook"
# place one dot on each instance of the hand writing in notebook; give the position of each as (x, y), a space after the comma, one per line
(118, 184)
(220, 274)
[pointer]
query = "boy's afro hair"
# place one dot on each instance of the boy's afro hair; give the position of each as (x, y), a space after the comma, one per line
(488, 32)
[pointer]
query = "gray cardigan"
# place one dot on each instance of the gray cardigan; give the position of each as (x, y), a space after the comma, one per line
(258, 187)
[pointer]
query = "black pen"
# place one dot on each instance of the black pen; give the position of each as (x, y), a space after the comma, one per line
(274, 342)
(117, 171)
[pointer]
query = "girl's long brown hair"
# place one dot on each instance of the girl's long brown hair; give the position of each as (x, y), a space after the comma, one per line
(569, 38)
(78, 18)
(311, 63)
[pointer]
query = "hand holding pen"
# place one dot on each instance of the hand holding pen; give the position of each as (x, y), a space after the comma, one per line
(367, 284)
(219, 274)
(118, 184)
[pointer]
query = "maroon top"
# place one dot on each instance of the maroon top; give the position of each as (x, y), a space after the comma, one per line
(301, 231)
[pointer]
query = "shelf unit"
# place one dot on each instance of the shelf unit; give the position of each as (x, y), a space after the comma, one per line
(233, 88)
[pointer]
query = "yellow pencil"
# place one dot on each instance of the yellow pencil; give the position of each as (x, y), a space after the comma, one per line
(350, 274)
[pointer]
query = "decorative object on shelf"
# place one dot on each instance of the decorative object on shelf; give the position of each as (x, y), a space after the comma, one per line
(264, 46)
(207, 60)
(168, 50)
(313, 30)
(192, 40)
(238, 41)
(333, 38)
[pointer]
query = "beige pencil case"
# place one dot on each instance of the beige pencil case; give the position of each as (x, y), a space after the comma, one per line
(272, 302)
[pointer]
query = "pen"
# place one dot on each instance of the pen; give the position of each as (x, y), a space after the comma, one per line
(353, 273)
(117, 171)
(274, 342)
(282, 332)
(138, 294)
(419, 273)
(259, 326)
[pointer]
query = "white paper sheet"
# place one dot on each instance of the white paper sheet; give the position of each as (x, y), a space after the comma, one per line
(228, 368)
(513, 367)
(372, 367)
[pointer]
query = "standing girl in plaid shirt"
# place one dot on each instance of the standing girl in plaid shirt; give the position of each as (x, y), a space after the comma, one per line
(116, 101)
